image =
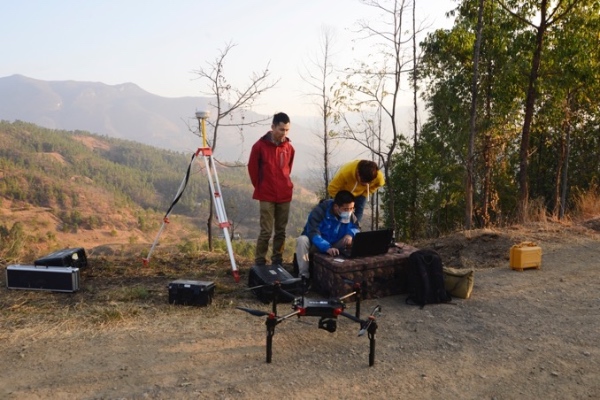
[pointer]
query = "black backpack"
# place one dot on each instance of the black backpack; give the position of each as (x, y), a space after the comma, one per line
(425, 279)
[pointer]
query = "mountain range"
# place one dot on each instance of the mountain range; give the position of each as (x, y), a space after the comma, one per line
(126, 111)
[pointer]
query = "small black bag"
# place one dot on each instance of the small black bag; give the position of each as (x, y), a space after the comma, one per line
(425, 279)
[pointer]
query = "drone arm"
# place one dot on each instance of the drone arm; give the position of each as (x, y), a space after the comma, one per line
(286, 294)
(352, 317)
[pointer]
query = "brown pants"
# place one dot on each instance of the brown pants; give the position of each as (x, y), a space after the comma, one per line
(272, 216)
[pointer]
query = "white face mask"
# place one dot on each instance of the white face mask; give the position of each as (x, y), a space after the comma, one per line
(345, 217)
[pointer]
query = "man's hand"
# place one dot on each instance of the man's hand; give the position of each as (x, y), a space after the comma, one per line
(332, 251)
(347, 240)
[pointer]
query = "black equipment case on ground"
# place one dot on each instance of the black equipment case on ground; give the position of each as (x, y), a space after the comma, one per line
(267, 275)
(75, 258)
(191, 293)
(32, 277)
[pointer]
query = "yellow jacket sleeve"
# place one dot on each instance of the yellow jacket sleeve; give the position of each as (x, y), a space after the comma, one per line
(376, 183)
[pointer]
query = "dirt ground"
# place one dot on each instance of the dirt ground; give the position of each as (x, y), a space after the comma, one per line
(533, 334)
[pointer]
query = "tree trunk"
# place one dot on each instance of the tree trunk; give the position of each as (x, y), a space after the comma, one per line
(325, 141)
(470, 156)
(487, 179)
(415, 161)
(565, 169)
(557, 177)
(529, 108)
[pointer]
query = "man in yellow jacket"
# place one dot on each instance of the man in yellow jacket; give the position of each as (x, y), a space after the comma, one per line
(361, 178)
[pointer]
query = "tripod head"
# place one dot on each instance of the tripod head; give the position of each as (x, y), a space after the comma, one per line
(202, 114)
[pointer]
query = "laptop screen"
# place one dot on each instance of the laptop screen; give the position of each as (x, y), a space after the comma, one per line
(370, 243)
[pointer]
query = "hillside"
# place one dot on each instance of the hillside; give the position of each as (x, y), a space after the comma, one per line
(73, 188)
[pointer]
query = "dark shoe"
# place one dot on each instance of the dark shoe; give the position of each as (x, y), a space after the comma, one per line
(306, 284)
(277, 262)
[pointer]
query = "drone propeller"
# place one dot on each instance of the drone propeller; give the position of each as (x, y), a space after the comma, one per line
(285, 282)
(365, 327)
(257, 313)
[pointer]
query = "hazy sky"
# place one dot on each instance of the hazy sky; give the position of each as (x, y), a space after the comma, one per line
(158, 44)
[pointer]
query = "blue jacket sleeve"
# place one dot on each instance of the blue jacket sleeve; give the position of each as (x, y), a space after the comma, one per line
(317, 215)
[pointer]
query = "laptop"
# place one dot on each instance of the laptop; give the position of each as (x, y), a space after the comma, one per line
(369, 243)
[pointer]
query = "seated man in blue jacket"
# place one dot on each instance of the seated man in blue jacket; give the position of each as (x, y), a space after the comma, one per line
(331, 226)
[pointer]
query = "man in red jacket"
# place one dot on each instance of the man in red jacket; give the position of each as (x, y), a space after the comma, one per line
(269, 166)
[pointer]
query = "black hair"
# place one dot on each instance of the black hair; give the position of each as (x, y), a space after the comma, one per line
(281, 117)
(367, 170)
(343, 197)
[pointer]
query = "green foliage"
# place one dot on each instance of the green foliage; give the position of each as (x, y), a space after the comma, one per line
(57, 170)
(134, 293)
(189, 247)
(12, 241)
(566, 118)
(134, 173)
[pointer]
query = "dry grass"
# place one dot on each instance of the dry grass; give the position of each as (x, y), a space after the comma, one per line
(119, 291)
(587, 205)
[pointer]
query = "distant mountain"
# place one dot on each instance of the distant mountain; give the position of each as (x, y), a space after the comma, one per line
(128, 112)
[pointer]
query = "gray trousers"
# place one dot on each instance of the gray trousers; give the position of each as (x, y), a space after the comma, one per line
(303, 251)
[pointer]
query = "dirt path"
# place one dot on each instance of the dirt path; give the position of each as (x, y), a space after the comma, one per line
(527, 335)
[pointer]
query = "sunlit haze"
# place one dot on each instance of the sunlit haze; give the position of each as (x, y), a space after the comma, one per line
(158, 45)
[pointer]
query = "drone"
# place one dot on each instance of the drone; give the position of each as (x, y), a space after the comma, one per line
(328, 311)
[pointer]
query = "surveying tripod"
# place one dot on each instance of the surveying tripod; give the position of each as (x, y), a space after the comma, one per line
(215, 189)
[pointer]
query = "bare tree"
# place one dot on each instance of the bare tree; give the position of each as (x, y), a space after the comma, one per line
(377, 84)
(229, 100)
(318, 76)
(415, 87)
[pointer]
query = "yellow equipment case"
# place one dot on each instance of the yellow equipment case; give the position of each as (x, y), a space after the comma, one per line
(525, 255)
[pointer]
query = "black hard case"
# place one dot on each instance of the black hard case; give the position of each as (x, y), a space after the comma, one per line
(191, 293)
(32, 277)
(75, 258)
(267, 275)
